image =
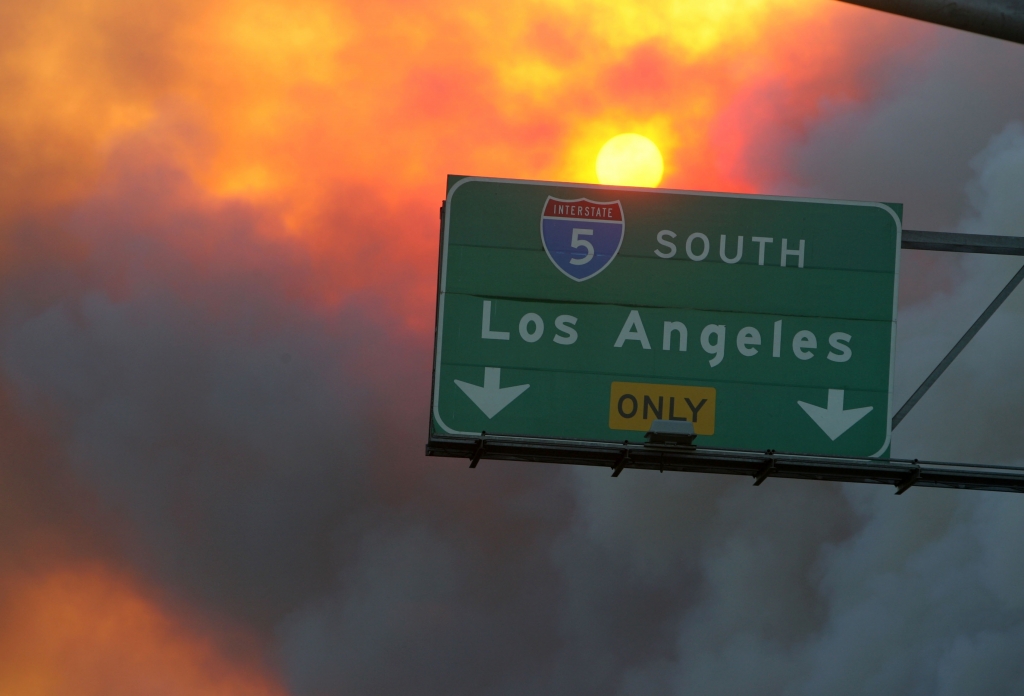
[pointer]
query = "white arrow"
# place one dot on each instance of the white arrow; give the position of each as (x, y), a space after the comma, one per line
(834, 420)
(491, 398)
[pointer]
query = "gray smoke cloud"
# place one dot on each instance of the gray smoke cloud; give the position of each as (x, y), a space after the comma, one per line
(262, 460)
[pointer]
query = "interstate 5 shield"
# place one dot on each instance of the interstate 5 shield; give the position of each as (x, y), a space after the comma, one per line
(587, 312)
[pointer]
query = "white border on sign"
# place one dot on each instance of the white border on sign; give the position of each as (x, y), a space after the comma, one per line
(527, 182)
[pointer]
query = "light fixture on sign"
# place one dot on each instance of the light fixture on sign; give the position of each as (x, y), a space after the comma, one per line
(671, 432)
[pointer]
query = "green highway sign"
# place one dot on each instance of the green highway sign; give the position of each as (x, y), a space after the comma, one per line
(588, 312)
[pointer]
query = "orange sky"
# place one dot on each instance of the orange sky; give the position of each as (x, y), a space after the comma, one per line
(87, 631)
(302, 106)
(336, 123)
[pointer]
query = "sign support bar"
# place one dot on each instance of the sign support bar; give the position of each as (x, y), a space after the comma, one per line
(960, 345)
(1000, 19)
(964, 243)
(759, 465)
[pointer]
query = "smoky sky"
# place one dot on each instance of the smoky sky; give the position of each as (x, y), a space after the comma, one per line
(175, 400)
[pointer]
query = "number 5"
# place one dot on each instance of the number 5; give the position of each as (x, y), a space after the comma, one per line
(577, 243)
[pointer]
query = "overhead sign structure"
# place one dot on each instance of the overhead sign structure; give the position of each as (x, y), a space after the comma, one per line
(588, 312)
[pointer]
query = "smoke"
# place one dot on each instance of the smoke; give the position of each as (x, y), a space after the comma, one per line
(848, 589)
(258, 455)
(215, 360)
(66, 632)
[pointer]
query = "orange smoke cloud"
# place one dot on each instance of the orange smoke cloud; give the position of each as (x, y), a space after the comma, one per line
(87, 631)
(288, 104)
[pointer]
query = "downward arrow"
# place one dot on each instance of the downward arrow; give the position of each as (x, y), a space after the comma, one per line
(491, 398)
(834, 420)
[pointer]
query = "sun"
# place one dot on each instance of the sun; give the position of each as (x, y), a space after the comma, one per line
(630, 159)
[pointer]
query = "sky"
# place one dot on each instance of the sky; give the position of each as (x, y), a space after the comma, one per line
(218, 258)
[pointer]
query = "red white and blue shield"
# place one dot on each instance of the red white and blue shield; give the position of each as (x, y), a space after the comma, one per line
(581, 236)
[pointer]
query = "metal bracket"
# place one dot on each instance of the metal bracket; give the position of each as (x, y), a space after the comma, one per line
(767, 470)
(479, 451)
(622, 462)
(913, 478)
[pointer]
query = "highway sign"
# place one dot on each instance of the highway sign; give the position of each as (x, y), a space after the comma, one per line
(587, 312)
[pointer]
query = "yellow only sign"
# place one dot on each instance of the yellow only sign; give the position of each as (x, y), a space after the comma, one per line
(634, 406)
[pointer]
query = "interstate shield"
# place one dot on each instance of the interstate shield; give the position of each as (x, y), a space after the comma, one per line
(581, 236)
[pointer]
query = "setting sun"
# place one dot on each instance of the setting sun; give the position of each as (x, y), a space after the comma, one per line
(630, 160)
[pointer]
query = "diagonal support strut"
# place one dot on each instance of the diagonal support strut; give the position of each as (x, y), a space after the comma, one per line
(960, 345)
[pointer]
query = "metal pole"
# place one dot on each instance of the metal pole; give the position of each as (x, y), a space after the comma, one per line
(975, 328)
(963, 243)
(902, 473)
(1000, 19)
